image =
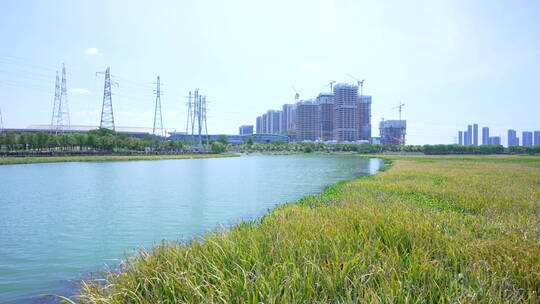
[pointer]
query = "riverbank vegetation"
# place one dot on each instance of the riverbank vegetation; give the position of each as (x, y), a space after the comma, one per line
(366, 148)
(103, 158)
(107, 141)
(95, 140)
(431, 229)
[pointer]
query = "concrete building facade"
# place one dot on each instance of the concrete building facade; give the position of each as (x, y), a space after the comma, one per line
(393, 131)
(245, 130)
(258, 125)
(364, 117)
(475, 134)
(536, 138)
(527, 138)
(308, 121)
(346, 120)
(513, 140)
(468, 136)
(326, 104)
(494, 140)
(288, 117)
(485, 136)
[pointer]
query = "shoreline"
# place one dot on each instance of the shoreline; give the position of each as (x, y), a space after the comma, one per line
(105, 158)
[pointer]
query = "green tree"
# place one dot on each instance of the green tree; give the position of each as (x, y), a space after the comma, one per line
(249, 140)
(223, 139)
(217, 147)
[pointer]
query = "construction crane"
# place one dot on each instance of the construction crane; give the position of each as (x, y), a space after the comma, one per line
(331, 85)
(360, 84)
(296, 95)
(400, 107)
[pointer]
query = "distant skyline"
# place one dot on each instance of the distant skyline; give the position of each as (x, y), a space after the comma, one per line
(452, 63)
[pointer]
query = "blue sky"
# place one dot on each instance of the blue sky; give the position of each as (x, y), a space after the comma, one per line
(451, 62)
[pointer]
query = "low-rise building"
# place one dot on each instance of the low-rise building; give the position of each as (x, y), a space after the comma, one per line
(245, 130)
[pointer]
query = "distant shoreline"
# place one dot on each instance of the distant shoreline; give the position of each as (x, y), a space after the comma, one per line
(103, 158)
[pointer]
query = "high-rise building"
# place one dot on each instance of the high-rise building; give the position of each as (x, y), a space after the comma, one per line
(264, 126)
(536, 138)
(468, 136)
(326, 105)
(485, 136)
(308, 120)
(346, 120)
(287, 119)
(513, 140)
(527, 138)
(475, 134)
(364, 117)
(258, 125)
(393, 131)
(274, 120)
(245, 130)
(494, 140)
(460, 138)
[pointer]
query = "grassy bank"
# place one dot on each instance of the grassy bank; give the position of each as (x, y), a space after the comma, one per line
(428, 230)
(102, 158)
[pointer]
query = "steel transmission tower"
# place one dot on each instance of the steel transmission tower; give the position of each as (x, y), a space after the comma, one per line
(63, 109)
(107, 116)
(56, 103)
(197, 117)
(60, 116)
(158, 129)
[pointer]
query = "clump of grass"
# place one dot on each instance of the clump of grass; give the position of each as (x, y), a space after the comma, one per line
(444, 231)
(102, 158)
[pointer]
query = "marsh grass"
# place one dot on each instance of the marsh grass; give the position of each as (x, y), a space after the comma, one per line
(442, 231)
(103, 158)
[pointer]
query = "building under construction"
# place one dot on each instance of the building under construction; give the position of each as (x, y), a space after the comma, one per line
(342, 115)
(326, 105)
(364, 117)
(346, 121)
(393, 132)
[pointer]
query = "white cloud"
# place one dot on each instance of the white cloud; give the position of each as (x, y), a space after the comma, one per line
(92, 51)
(79, 91)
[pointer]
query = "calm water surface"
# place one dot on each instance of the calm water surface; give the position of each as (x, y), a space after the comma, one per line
(60, 221)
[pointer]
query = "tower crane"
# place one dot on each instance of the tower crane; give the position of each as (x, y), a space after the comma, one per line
(400, 107)
(360, 84)
(296, 95)
(331, 85)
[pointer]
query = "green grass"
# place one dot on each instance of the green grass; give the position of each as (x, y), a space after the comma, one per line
(103, 158)
(443, 231)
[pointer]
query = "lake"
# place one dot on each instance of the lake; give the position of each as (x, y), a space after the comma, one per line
(61, 221)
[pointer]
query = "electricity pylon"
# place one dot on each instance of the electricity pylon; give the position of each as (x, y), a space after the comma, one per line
(60, 116)
(63, 109)
(197, 117)
(56, 102)
(158, 129)
(107, 116)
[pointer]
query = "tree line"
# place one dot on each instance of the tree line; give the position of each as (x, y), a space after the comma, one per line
(95, 140)
(108, 141)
